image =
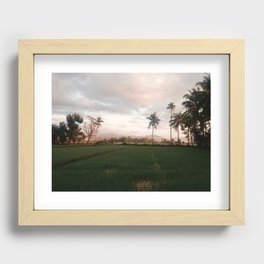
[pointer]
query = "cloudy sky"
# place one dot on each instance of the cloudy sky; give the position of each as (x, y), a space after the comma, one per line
(123, 100)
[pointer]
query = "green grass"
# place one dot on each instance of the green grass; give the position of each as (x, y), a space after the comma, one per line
(130, 168)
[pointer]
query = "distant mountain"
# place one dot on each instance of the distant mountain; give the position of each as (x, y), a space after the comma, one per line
(113, 135)
(156, 138)
(107, 135)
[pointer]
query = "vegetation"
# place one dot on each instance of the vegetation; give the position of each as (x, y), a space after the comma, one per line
(196, 117)
(90, 128)
(73, 132)
(171, 106)
(73, 122)
(175, 122)
(153, 123)
(195, 120)
(59, 133)
(130, 168)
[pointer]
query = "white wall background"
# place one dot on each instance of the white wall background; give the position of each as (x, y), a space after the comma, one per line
(132, 19)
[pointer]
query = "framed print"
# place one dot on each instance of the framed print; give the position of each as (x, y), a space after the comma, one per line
(131, 132)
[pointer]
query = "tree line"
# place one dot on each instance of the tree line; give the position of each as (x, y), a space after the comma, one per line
(76, 130)
(194, 120)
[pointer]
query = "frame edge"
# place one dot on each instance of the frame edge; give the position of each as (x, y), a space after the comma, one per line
(25, 132)
(28, 216)
(237, 132)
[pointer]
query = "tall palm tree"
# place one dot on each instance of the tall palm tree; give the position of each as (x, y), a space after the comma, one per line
(187, 124)
(197, 107)
(153, 122)
(205, 97)
(175, 123)
(171, 106)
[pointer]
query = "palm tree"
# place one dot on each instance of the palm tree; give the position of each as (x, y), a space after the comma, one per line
(187, 124)
(171, 106)
(205, 97)
(197, 107)
(153, 122)
(175, 123)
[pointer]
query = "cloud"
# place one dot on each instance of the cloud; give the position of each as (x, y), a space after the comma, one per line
(120, 97)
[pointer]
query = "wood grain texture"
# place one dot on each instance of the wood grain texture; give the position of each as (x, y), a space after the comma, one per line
(29, 216)
(131, 46)
(26, 132)
(131, 218)
(237, 132)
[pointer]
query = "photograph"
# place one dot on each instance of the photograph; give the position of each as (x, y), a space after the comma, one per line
(132, 132)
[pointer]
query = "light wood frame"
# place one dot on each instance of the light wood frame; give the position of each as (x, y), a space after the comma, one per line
(29, 216)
